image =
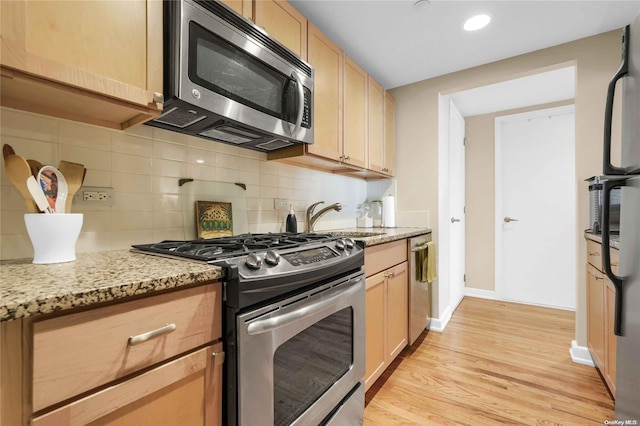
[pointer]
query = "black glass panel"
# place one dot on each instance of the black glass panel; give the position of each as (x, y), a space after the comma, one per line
(222, 67)
(308, 364)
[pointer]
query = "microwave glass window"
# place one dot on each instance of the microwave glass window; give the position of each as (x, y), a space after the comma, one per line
(223, 68)
(306, 365)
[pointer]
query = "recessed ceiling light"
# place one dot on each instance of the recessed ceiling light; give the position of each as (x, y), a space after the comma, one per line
(421, 4)
(476, 22)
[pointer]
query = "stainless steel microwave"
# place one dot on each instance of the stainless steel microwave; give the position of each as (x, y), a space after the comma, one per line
(227, 80)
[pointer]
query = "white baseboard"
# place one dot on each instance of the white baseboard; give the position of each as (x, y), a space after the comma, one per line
(438, 324)
(479, 293)
(580, 354)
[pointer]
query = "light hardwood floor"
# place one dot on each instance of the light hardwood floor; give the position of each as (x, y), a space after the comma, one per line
(495, 363)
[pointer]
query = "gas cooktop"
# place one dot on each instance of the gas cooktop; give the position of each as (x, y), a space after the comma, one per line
(233, 246)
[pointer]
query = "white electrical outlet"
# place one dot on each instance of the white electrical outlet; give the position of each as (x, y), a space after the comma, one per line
(94, 196)
(280, 204)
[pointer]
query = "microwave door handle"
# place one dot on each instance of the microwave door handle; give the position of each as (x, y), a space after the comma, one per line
(607, 167)
(298, 125)
(606, 251)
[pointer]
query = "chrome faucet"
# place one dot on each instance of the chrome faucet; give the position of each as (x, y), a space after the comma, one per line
(313, 218)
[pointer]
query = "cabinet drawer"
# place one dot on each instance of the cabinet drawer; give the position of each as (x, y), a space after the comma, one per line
(594, 254)
(153, 398)
(384, 256)
(78, 352)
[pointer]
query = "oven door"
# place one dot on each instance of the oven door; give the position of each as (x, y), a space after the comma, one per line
(299, 359)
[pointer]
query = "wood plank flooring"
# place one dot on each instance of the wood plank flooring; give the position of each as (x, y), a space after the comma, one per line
(495, 363)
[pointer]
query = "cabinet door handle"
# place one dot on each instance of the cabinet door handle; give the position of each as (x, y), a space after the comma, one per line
(598, 278)
(218, 357)
(347, 158)
(389, 274)
(140, 338)
(158, 98)
(594, 253)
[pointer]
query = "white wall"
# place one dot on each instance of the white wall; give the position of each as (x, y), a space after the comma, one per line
(143, 165)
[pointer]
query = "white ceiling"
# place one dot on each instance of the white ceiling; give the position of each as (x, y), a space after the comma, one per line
(399, 44)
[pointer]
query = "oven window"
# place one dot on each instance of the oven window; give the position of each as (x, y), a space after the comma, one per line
(306, 365)
(221, 67)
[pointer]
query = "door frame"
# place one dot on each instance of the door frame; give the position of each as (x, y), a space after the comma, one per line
(441, 296)
(498, 217)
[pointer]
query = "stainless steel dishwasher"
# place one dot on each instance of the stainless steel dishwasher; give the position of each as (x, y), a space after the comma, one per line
(419, 292)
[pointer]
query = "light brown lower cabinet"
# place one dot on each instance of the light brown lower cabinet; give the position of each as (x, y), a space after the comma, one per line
(186, 391)
(150, 361)
(601, 340)
(387, 309)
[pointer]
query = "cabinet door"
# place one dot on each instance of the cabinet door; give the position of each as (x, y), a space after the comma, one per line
(186, 391)
(241, 7)
(326, 59)
(389, 156)
(397, 310)
(375, 327)
(102, 48)
(284, 23)
(376, 125)
(610, 337)
(595, 315)
(355, 114)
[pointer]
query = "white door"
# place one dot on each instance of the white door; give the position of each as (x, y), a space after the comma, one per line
(456, 205)
(535, 207)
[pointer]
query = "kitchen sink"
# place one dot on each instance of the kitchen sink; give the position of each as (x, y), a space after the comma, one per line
(356, 234)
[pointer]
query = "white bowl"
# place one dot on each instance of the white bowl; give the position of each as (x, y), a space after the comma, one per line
(53, 236)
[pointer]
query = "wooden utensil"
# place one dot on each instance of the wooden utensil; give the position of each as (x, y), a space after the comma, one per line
(18, 171)
(7, 151)
(35, 167)
(74, 174)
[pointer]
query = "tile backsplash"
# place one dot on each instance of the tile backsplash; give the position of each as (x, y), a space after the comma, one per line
(143, 166)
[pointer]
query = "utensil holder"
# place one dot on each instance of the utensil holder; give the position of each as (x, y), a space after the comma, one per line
(53, 236)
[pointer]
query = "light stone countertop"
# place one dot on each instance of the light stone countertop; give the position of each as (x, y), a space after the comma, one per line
(27, 289)
(614, 240)
(386, 235)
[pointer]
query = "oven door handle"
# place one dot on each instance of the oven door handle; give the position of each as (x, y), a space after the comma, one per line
(308, 309)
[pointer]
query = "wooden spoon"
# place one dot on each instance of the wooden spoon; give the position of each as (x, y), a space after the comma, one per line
(7, 151)
(74, 174)
(18, 171)
(35, 167)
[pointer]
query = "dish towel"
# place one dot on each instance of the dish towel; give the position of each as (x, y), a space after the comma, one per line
(421, 264)
(431, 262)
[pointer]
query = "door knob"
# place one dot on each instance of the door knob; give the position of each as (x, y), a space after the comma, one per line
(510, 219)
(454, 220)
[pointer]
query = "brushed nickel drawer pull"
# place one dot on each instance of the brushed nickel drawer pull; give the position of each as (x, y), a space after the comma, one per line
(598, 278)
(140, 338)
(594, 253)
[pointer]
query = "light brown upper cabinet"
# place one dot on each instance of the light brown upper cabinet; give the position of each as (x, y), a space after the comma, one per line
(241, 7)
(327, 59)
(284, 23)
(355, 114)
(376, 125)
(389, 152)
(97, 62)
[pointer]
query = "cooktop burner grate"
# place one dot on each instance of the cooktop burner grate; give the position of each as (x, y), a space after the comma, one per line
(233, 246)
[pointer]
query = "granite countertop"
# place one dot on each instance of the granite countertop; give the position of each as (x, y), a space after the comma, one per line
(27, 289)
(380, 235)
(614, 240)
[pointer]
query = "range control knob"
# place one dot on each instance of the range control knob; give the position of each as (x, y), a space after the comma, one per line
(253, 261)
(340, 244)
(349, 243)
(271, 258)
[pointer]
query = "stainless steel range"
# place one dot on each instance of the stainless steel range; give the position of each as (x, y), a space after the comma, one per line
(294, 325)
